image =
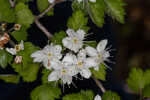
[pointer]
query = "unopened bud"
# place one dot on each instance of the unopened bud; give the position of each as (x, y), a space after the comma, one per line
(3, 26)
(17, 27)
(18, 59)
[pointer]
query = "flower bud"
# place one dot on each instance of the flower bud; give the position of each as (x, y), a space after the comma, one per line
(18, 59)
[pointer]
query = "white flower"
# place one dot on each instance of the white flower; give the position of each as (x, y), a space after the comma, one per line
(64, 70)
(49, 55)
(98, 55)
(51, 1)
(16, 49)
(74, 41)
(81, 66)
(97, 97)
(89, 0)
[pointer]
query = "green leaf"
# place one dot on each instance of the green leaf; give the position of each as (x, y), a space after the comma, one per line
(5, 58)
(6, 12)
(20, 34)
(96, 12)
(43, 5)
(27, 69)
(10, 78)
(79, 6)
(109, 95)
(83, 95)
(91, 43)
(101, 73)
(146, 91)
(45, 74)
(78, 21)
(57, 38)
(24, 1)
(115, 9)
(137, 80)
(45, 92)
(24, 15)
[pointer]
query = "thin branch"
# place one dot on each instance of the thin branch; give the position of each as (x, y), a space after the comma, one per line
(40, 26)
(99, 84)
(47, 10)
(12, 3)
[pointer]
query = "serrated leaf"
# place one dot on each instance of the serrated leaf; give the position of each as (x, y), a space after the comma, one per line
(83, 95)
(101, 73)
(136, 80)
(24, 15)
(146, 91)
(79, 6)
(78, 21)
(20, 34)
(5, 58)
(10, 78)
(43, 5)
(109, 95)
(45, 92)
(96, 12)
(115, 9)
(6, 12)
(57, 38)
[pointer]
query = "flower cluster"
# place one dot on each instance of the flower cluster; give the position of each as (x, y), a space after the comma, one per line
(77, 59)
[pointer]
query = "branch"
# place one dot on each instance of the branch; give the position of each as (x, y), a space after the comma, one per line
(99, 84)
(40, 26)
(47, 10)
(12, 3)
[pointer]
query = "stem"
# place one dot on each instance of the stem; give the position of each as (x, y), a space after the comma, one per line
(99, 84)
(47, 10)
(140, 93)
(40, 26)
(12, 3)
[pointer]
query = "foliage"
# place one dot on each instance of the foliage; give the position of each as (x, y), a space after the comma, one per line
(109, 95)
(10, 78)
(45, 92)
(83, 95)
(5, 58)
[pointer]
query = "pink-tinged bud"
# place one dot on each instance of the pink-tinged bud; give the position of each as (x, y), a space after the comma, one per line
(18, 59)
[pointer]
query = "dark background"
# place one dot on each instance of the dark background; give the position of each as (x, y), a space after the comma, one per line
(131, 41)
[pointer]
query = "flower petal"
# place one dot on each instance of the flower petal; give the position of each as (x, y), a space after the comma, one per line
(92, 0)
(69, 59)
(38, 56)
(21, 45)
(54, 76)
(102, 45)
(11, 51)
(97, 97)
(82, 54)
(80, 34)
(70, 32)
(86, 73)
(91, 62)
(91, 51)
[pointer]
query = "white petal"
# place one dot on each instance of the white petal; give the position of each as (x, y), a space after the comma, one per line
(72, 70)
(67, 79)
(91, 51)
(86, 73)
(51, 1)
(102, 45)
(82, 54)
(54, 76)
(97, 97)
(91, 62)
(70, 32)
(21, 45)
(67, 42)
(56, 64)
(80, 34)
(38, 56)
(57, 51)
(92, 0)
(11, 51)
(106, 55)
(69, 59)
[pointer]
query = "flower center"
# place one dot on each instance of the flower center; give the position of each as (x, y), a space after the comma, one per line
(99, 56)
(63, 72)
(17, 48)
(80, 64)
(75, 40)
(49, 55)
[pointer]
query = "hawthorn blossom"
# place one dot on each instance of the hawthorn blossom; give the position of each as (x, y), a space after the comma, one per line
(81, 66)
(50, 54)
(16, 49)
(64, 70)
(98, 55)
(74, 41)
(97, 97)
(89, 0)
